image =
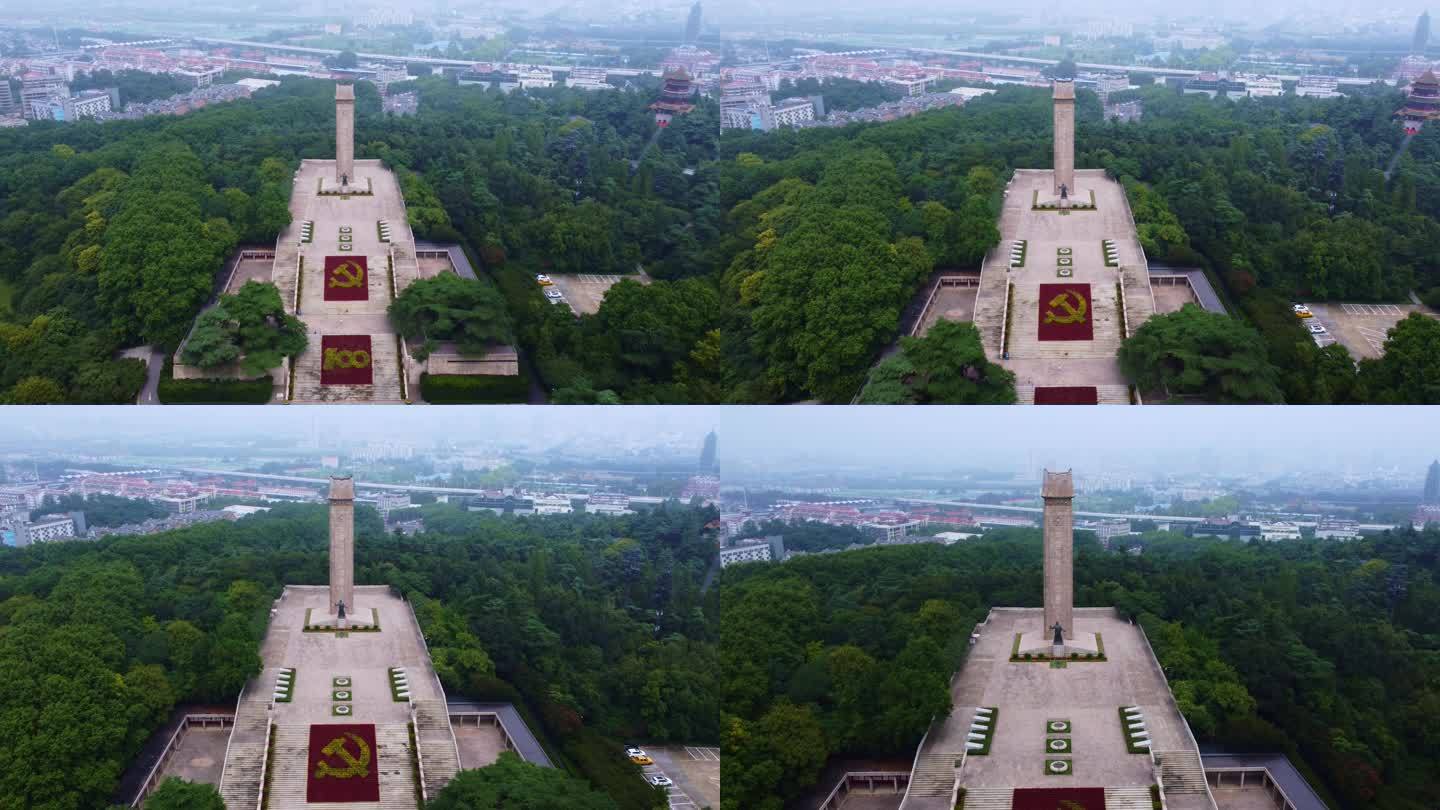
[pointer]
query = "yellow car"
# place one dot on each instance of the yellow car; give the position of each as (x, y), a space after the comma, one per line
(1301, 311)
(639, 757)
(543, 280)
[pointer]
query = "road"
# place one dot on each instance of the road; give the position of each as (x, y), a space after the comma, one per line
(1037, 510)
(155, 362)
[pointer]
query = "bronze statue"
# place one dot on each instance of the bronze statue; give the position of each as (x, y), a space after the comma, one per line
(341, 606)
(1059, 635)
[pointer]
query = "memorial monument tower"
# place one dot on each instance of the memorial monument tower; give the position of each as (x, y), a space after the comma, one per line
(345, 135)
(342, 545)
(1064, 96)
(1058, 492)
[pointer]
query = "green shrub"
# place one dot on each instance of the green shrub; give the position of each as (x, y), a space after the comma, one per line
(468, 389)
(216, 392)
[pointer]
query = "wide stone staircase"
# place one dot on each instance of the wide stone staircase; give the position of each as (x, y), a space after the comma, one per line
(385, 386)
(1182, 772)
(437, 745)
(245, 756)
(1139, 300)
(989, 315)
(1104, 394)
(1024, 340)
(1126, 798)
(991, 798)
(394, 759)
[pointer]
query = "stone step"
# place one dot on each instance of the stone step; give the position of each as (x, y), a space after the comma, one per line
(437, 745)
(1182, 771)
(393, 758)
(1139, 299)
(240, 779)
(385, 360)
(1121, 798)
(993, 798)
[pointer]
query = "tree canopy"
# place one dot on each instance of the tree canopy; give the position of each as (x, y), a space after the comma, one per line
(946, 367)
(1319, 649)
(513, 784)
(249, 326)
(449, 308)
(1200, 354)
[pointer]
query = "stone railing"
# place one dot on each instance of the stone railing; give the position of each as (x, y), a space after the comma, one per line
(265, 760)
(916, 763)
(1185, 724)
(151, 778)
(843, 786)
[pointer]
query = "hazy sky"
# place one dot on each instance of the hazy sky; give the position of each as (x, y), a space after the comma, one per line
(1231, 439)
(548, 425)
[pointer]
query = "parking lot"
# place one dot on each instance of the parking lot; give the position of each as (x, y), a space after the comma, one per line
(1360, 328)
(584, 291)
(695, 772)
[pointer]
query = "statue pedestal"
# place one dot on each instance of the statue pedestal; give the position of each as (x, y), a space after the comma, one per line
(357, 185)
(1036, 642)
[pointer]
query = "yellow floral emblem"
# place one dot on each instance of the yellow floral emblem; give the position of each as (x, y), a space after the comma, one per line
(346, 275)
(1074, 313)
(355, 765)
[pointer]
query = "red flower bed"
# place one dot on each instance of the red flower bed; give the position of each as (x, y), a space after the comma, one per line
(343, 764)
(346, 360)
(1066, 312)
(1051, 798)
(347, 278)
(1066, 395)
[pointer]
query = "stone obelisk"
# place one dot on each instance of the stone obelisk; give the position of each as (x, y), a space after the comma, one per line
(1065, 136)
(1058, 492)
(342, 544)
(345, 135)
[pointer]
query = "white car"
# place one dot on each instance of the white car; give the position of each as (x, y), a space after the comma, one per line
(1317, 329)
(1300, 310)
(553, 294)
(632, 751)
(660, 780)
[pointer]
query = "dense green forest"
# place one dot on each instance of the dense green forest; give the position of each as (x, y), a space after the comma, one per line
(112, 235)
(596, 627)
(1277, 199)
(104, 510)
(842, 94)
(1327, 651)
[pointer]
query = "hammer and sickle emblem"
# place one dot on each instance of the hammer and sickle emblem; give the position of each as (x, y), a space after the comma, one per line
(1074, 313)
(1068, 804)
(354, 766)
(347, 275)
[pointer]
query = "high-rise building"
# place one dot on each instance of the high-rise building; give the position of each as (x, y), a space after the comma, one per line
(692, 24)
(1432, 483)
(36, 90)
(8, 102)
(1422, 33)
(708, 460)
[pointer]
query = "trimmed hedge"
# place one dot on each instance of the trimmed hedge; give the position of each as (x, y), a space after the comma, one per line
(216, 392)
(473, 389)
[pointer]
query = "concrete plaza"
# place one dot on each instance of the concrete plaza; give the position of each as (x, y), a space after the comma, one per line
(1012, 293)
(1089, 694)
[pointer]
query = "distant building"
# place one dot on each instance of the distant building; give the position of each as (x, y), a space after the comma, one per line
(676, 88)
(180, 504)
(1422, 104)
(692, 24)
(912, 86)
(200, 77)
(1125, 111)
(553, 505)
(1263, 86)
(708, 462)
(89, 104)
(237, 511)
(602, 503)
(9, 104)
(791, 112)
(1318, 86)
(1432, 484)
(388, 502)
(37, 90)
(1226, 530)
(745, 552)
(1422, 34)
(47, 529)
